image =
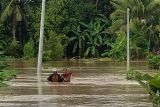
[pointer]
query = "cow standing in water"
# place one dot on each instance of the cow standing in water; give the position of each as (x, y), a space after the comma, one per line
(55, 77)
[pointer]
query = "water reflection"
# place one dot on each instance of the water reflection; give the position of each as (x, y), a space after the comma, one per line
(39, 84)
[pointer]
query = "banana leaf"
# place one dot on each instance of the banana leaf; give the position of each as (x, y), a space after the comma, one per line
(154, 82)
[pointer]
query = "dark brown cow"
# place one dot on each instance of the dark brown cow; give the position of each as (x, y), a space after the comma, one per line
(55, 77)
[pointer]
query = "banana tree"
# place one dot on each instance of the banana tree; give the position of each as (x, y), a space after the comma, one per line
(78, 39)
(94, 34)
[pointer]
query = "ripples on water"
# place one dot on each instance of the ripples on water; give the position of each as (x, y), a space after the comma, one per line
(96, 84)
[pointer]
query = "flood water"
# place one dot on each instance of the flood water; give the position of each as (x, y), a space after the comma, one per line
(93, 84)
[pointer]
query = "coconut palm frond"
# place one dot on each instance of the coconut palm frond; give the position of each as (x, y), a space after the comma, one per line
(7, 12)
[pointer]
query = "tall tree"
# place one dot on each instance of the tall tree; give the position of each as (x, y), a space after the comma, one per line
(12, 13)
(145, 11)
(142, 9)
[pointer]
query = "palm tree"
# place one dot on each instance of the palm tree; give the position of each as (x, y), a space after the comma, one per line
(138, 32)
(146, 11)
(13, 12)
(142, 9)
(97, 1)
(78, 39)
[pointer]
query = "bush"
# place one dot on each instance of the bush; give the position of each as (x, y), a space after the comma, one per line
(3, 45)
(132, 74)
(154, 61)
(3, 66)
(47, 55)
(156, 100)
(58, 53)
(53, 49)
(13, 49)
(118, 51)
(29, 50)
(4, 58)
(150, 83)
(53, 55)
(5, 75)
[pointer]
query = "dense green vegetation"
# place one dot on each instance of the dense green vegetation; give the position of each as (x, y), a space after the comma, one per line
(5, 74)
(79, 28)
(154, 61)
(151, 84)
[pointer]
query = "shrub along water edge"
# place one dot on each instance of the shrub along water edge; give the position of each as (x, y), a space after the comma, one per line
(151, 83)
(5, 74)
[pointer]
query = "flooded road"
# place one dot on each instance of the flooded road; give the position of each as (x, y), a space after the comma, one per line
(93, 84)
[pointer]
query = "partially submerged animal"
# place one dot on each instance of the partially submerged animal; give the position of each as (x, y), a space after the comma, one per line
(55, 77)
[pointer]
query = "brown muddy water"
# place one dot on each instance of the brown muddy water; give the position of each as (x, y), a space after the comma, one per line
(93, 84)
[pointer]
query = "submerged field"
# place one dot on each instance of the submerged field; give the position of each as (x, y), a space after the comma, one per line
(99, 83)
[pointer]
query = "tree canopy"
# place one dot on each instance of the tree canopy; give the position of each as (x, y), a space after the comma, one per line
(82, 28)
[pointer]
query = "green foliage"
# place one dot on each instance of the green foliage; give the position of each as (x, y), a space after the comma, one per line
(53, 48)
(12, 14)
(138, 36)
(143, 80)
(58, 52)
(155, 81)
(78, 38)
(140, 9)
(118, 51)
(63, 15)
(13, 17)
(47, 55)
(5, 75)
(3, 66)
(154, 61)
(4, 58)
(71, 18)
(132, 74)
(13, 49)
(21, 19)
(29, 50)
(95, 35)
(149, 82)
(3, 45)
(143, 24)
(156, 100)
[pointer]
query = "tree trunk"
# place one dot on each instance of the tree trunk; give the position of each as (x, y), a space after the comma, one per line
(14, 34)
(14, 29)
(79, 48)
(97, 1)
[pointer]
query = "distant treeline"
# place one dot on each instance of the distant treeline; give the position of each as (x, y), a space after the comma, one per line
(79, 28)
